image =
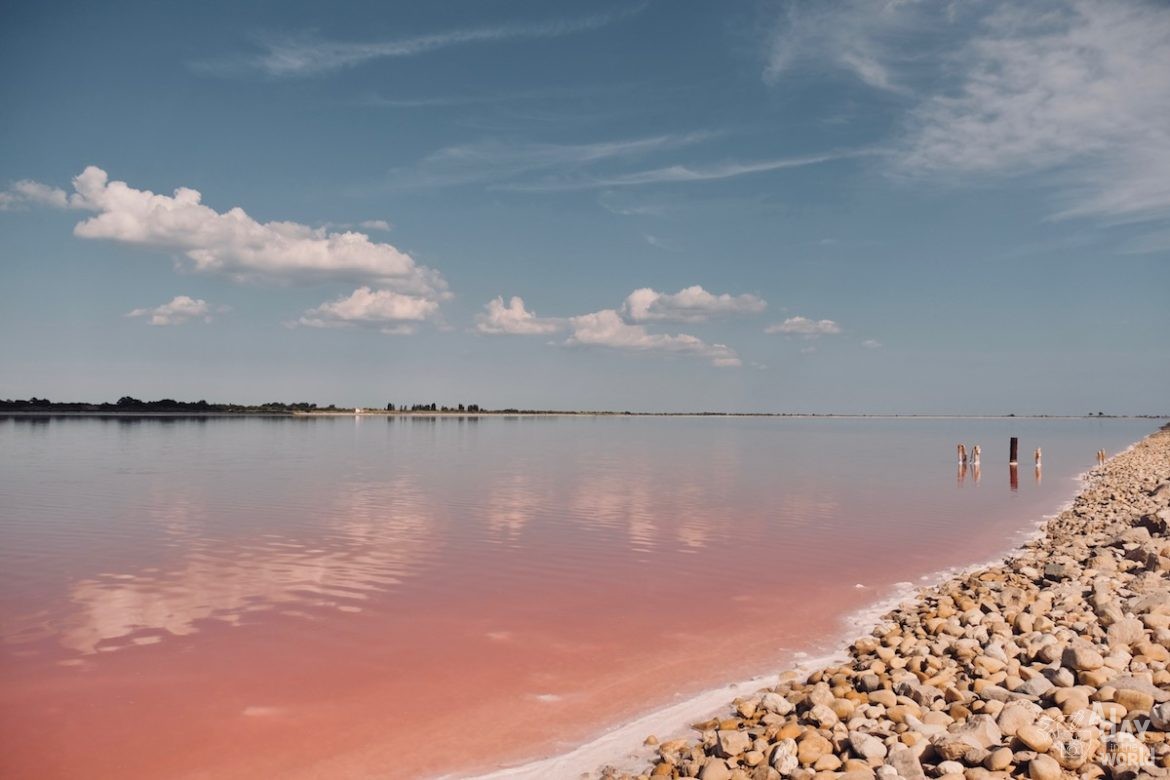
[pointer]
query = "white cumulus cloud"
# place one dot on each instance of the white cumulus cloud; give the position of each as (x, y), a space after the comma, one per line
(513, 319)
(179, 310)
(691, 304)
(803, 326)
(33, 192)
(231, 243)
(387, 310)
(606, 328)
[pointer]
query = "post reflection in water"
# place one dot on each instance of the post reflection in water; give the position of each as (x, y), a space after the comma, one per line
(962, 473)
(1015, 477)
(1039, 473)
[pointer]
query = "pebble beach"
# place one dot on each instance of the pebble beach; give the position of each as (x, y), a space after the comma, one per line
(1052, 664)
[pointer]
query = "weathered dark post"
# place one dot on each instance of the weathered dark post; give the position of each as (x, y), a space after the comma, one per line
(1013, 459)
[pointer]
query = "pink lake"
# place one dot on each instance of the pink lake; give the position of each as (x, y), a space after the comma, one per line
(372, 597)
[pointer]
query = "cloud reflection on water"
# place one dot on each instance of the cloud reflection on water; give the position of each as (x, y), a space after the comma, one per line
(381, 534)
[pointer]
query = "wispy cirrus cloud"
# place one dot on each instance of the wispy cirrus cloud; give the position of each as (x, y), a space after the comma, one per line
(307, 55)
(1079, 93)
(881, 44)
(499, 162)
(557, 93)
(677, 173)
(1073, 94)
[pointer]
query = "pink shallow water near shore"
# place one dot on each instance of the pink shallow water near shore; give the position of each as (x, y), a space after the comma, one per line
(372, 597)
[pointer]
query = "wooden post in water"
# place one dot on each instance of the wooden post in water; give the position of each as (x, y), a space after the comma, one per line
(962, 455)
(1038, 454)
(1014, 459)
(975, 454)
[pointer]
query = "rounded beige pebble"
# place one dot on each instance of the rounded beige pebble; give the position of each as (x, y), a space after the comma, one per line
(827, 762)
(999, 760)
(715, 769)
(812, 746)
(1016, 716)
(1044, 768)
(1134, 700)
(1035, 738)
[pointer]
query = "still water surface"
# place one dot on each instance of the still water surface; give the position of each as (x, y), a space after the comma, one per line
(371, 597)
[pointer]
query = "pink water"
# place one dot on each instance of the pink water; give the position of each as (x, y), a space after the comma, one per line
(410, 597)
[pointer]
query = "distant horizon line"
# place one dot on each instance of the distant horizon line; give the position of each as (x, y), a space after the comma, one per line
(167, 407)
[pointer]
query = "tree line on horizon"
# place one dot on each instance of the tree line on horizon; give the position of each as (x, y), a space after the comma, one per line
(432, 407)
(130, 404)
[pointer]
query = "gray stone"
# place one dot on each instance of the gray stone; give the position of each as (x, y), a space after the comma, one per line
(774, 702)
(906, 764)
(1037, 686)
(784, 758)
(867, 746)
(823, 716)
(1160, 717)
(979, 731)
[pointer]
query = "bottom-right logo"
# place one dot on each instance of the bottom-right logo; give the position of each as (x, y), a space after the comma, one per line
(1101, 734)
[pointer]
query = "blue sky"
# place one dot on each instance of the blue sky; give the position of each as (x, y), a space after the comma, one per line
(851, 207)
